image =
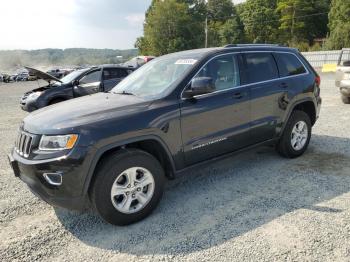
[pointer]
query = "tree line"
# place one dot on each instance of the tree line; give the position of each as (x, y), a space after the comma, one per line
(12, 59)
(310, 25)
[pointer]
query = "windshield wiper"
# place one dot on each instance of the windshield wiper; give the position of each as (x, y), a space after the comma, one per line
(125, 93)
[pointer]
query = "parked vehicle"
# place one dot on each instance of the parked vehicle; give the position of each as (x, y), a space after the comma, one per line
(138, 61)
(24, 76)
(78, 83)
(13, 77)
(6, 78)
(342, 76)
(113, 151)
(32, 77)
(56, 73)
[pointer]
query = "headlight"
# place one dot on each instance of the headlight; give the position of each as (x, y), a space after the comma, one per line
(57, 142)
(347, 76)
(34, 95)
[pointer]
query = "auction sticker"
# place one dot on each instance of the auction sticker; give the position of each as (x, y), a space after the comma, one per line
(185, 62)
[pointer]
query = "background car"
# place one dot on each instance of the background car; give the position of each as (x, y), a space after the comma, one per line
(138, 61)
(58, 73)
(76, 84)
(24, 76)
(6, 78)
(342, 75)
(13, 77)
(32, 77)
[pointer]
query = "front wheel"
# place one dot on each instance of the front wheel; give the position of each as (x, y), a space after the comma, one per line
(345, 99)
(296, 135)
(127, 187)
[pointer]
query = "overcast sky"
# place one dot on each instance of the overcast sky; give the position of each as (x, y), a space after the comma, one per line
(34, 24)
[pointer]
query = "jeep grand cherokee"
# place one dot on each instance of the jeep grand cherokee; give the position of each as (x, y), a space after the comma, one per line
(112, 151)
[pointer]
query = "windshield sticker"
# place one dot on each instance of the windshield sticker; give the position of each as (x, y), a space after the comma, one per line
(185, 62)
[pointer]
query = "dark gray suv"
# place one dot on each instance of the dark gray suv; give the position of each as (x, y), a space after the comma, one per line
(112, 151)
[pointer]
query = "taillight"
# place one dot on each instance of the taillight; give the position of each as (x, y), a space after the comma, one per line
(318, 81)
(147, 59)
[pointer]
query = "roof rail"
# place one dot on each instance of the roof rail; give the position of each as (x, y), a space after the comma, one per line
(244, 45)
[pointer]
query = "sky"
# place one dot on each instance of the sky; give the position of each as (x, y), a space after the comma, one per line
(36, 24)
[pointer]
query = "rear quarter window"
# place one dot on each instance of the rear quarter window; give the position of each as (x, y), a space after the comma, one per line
(260, 67)
(289, 65)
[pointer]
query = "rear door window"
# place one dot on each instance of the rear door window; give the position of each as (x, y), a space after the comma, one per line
(260, 67)
(113, 73)
(289, 65)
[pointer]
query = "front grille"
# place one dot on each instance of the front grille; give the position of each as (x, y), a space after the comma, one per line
(24, 143)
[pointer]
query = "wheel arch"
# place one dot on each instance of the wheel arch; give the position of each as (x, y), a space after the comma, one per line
(150, 144)
(306, 105)
(309, 108)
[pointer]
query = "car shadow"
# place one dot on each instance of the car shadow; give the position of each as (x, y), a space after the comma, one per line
(208, 206)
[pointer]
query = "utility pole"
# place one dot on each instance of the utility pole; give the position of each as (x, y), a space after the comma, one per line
(206, 32)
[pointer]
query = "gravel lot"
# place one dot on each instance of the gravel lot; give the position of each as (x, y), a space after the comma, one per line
(255, 206)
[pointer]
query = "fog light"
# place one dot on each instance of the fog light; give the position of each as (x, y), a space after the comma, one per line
(54, 179)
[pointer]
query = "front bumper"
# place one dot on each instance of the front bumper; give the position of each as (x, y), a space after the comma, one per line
(28, 106)
(74, 168)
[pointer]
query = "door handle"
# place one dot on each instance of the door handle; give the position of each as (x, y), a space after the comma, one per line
(238, 95)
(283, 85)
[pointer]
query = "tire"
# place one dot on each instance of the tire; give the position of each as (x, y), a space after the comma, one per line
(345, 99)
(106, 178)
(56, 100)
(284, 146)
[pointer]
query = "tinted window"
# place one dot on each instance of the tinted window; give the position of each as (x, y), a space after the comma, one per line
(223, 70)
(91, 77)
(260, 67)
(289, 65)
(113, 73)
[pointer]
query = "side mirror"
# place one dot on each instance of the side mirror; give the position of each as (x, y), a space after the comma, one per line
(200, 86)
(75, 83)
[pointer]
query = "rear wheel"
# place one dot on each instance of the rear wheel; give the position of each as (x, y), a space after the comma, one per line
(296, 135)
(345, 99)
(127, 187)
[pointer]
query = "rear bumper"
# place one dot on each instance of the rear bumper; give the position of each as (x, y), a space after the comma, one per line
(69, 194)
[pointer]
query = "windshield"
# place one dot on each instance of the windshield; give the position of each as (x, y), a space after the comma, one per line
(70, 77)
(155, 78)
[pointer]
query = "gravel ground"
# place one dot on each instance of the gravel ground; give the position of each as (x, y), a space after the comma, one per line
(255, 206)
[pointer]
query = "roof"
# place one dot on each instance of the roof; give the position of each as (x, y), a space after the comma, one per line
(113, 66)
(233, 47)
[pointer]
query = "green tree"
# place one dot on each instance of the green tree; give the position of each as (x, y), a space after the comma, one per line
(220, 10)
(339, 24)
(224, 24)
(316, 24)
(290, 22)
(260, 21)
(169, 27)
(303, 20)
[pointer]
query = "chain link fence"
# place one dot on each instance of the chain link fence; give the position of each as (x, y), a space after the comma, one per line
(320, 58)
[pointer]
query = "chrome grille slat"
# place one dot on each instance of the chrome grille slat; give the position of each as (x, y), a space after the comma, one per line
(23, 144)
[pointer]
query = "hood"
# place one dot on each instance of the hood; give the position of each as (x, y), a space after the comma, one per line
(42, 75)
(69, 115)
